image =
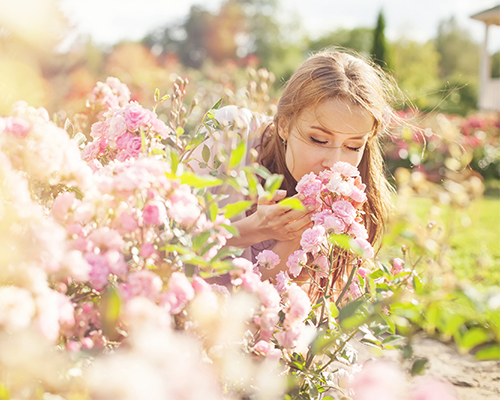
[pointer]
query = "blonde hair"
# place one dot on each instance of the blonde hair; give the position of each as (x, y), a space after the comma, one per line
(334, 74)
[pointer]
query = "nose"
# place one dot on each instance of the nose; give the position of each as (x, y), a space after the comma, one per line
(331, 156)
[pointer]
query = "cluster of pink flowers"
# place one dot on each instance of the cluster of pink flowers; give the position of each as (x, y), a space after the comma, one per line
(124, 128)
(338, 194)
(110, 95)
(36, 146)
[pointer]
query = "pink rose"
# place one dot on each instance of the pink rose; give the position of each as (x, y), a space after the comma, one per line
(126, 223)
(122, 141)
(268, 295)
(312, 238)
(17, 126)
(90, 151)
(62, 205)
(250, 281)
(99, 129)
(358, 231)
(379, 380)
(296, 261)
(184, 207)
(282, 281)
(99, 270)
(299, 305)
(136, 116)
(289, 338)
(144, 283)
(397, 266)
(106, 238)
(345, 211)
(268, 259)
(364, 272)
(179, 293)
(147, 249)
(117, 127)
(363, 247)
(345, 169)
(309, 185)
(322, 263)
(263, 347)
(161, 128)
(154, 213)
(134, 146)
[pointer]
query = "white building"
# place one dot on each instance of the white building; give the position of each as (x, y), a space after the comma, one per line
(489, 88)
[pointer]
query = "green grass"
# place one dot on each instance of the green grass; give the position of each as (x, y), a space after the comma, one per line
(472, 236)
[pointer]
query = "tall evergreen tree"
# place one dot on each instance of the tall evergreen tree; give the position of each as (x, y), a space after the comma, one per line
(380, 49)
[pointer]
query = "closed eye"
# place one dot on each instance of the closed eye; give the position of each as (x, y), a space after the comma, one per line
(356, 149)
(318, 141)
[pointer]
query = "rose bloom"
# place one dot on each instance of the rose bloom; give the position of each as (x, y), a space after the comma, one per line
(345, 210)
(289, 338)
(397, 266)
(154, 213)
(17, 126)
(179, 293)
(268, 258)
(299, 305)
(365, 248)
(282, 281)
(263, 347)
(136, 116)
(345, 169)
(134, 146)
(296, 261)
(312, 238)
(309, 185)
(122, 141)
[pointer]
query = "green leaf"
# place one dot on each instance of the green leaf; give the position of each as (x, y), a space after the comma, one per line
(217, 105)
(167, 96)
(273, 183)
(418, 366)
(196, 181)
(174, 161)
(417, 284)
(157, 95)
(205, 153)
(234, 209)
(195, 141)
(110, 310)
(292, 203)
(79, 138)
(237, 154)
(342, 241)
(491, 352)
(392, 338)
(474, 337)
(388, 320)
(212, 211)
(334, 311)
(179, 131)
(4, 392)
(200, 240)
(231, 229)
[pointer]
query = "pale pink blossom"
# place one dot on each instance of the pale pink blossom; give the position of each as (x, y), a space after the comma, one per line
(322, 263)
(250, 281)
(428, 388)
(73, 346)
(117, 263)
(123, 140)
(262, 347)
(268, 295)
(289, 338)
(184, 207)
(17, 126)
(364, 248)
(99, 270)
(397, 266)
(147, 250)
(296, 262)
(161, 128)
(268, 259)
(179, 293)
(117, 127)
(136, 116)
(345, 169)
(358, 231)
(144, 283)
(17, 308)
(364, 272)
(282, 281)
(106, 238)
(243, 264)
(126, 223)
(309, 185)
(99, 129)
(134, 146)
(62, 205)
(154, 213)
(312, 239)
(299, 305)
(379, 380)
(345, 211)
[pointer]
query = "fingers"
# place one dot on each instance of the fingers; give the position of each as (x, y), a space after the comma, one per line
(278, 195)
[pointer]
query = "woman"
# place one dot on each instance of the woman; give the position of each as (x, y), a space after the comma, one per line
(332, 109)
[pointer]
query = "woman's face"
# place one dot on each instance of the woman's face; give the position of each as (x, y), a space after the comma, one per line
(335, 130)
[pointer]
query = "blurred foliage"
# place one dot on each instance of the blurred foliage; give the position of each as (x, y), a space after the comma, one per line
(380, 49)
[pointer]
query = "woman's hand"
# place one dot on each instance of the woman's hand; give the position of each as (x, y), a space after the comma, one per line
(281, 223)
(272, 221)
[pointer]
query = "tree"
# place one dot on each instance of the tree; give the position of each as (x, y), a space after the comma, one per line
(380, 49)
(359, 39)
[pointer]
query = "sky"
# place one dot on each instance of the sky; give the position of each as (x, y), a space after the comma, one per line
(109, 21)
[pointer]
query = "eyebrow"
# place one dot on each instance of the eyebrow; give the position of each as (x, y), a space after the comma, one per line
(362, 136)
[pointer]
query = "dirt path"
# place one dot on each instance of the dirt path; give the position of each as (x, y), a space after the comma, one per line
(472, 379)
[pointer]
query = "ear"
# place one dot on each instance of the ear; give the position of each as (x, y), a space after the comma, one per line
(283, 129)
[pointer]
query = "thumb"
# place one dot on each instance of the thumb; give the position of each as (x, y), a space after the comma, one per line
(279, 195)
